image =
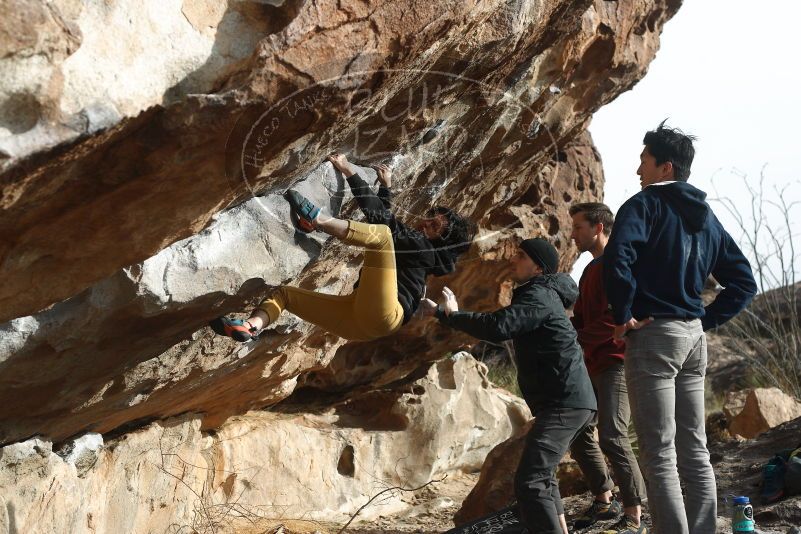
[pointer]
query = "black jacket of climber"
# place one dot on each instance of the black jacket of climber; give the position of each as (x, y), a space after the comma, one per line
(550, 364)
(415, 255)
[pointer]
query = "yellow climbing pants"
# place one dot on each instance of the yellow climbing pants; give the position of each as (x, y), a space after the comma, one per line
(370, 312)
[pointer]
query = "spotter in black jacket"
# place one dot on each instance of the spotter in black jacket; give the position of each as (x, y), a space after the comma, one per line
(550, 364)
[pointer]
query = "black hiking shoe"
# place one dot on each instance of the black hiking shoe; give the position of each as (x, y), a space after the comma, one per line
(598, 511)
(626, 525)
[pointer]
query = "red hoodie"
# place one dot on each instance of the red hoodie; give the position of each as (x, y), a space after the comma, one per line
(593, 321)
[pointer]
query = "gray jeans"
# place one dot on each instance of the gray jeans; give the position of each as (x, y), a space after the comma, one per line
(612, 422)
(665, 369)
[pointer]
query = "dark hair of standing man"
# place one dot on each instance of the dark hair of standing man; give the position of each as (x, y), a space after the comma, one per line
(595, 213)
(671, 144)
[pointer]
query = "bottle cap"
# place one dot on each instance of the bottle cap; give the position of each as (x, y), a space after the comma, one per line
(742, 500)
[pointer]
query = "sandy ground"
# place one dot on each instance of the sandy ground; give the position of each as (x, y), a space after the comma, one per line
(434, 506)
(437, 504)
(432, 510)
(737, 464)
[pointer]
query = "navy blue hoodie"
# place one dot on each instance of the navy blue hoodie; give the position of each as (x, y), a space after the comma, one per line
(664, 245)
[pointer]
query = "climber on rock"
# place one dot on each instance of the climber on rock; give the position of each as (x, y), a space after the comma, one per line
(550, 371)
(397, 260)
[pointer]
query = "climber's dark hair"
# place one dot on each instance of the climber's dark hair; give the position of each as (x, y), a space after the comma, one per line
(671, 144)
(459, 233)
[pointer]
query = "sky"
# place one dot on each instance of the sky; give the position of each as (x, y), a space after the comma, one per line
(727, 71)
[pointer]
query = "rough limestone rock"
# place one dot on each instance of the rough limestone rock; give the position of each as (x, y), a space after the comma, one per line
(278, 464)
(482, 94)
(140, 190)
(77, 67)
(495, 487)
(734, 402)
(116, 321)
(82, 452)
(144, 148)
(764, 409)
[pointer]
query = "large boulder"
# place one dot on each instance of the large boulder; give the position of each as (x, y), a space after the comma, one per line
(144, 148)
(147, 199)
(734, 402)
(763, 409)
(189, 107)
(495, 487)
(274, 465)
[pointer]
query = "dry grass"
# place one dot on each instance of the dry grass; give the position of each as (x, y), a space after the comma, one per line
(504, 376)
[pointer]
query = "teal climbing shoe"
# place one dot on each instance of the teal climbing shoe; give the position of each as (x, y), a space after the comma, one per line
(302, 210)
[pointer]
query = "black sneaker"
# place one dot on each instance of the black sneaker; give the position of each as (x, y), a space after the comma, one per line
(598, 511)
(626, 525)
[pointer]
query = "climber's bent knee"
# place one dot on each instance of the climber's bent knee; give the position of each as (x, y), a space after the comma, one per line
(371, 236)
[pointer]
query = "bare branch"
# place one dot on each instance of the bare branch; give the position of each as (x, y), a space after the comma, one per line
(393, 488)
(770, 329)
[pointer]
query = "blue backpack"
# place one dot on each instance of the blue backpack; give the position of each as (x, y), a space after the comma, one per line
(781, 476)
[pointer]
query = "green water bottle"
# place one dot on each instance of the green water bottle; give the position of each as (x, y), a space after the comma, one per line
(742, 517)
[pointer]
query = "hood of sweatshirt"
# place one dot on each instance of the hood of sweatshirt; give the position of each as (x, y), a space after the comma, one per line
(688, 201)
(561, 283)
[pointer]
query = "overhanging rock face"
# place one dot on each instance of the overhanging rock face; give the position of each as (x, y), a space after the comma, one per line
(141, 180)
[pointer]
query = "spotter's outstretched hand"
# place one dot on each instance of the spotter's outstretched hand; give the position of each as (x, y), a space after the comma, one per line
(450, 305)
